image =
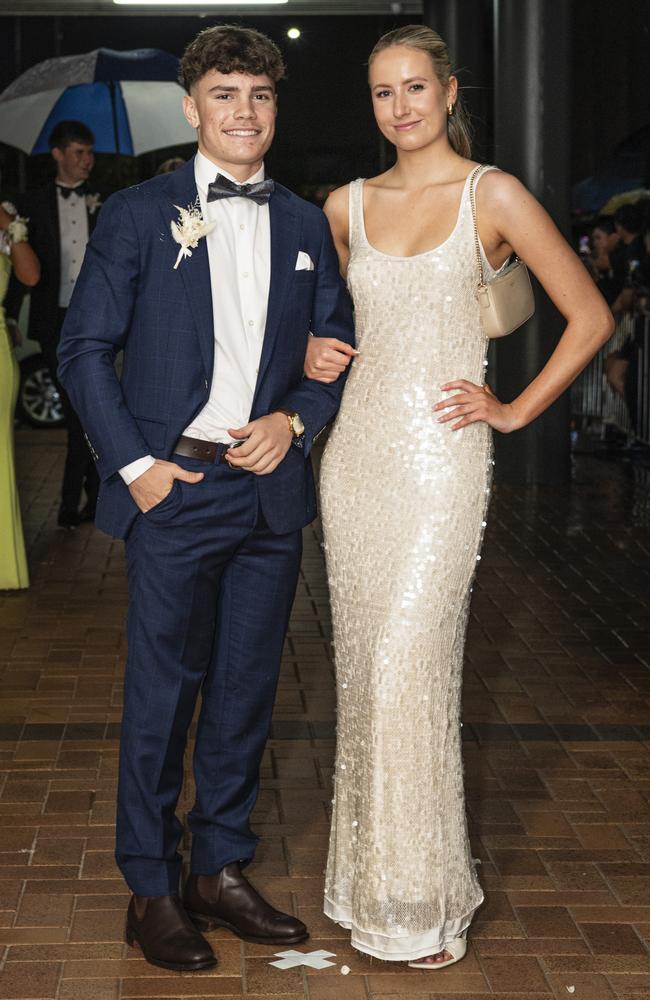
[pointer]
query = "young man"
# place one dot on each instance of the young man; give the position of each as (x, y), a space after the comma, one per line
(203, 454)
(62, 216)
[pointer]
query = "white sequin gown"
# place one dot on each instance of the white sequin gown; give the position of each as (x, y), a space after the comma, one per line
(403, 501)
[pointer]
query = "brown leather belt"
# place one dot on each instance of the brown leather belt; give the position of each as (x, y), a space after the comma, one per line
(207, 451)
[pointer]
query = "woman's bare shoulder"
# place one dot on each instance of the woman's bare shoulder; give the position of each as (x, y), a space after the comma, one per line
(337, 199)
(500, 189)
(336, 207)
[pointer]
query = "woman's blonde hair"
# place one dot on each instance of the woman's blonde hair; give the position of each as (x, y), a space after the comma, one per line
(419, 36)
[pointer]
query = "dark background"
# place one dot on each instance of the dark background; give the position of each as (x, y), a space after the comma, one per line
(325, 128)
(326, 133)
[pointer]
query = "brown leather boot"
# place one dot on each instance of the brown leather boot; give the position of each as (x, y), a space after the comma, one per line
(168, 938)
(229, 900)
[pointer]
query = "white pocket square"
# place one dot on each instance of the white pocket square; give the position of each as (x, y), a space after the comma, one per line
(304, 262)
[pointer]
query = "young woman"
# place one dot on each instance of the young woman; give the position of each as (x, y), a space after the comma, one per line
(16, 251)
(410, 454)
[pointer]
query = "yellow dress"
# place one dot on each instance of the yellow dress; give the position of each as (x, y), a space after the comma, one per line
(13, 561)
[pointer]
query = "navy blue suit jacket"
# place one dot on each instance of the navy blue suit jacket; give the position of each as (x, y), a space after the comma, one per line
(128, 296)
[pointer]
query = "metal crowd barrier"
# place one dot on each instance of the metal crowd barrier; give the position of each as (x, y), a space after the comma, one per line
(599, 412)
(643, 384)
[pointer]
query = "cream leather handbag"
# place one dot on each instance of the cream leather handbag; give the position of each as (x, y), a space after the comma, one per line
(506, 301)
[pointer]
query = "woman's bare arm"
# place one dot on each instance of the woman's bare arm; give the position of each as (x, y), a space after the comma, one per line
(510, 217)
(337, 211)
(327, 357)
(25, 262)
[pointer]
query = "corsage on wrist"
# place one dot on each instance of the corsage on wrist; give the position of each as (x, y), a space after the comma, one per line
(17, 231)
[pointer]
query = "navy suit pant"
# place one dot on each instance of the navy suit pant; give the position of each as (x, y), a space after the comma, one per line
(211, 590)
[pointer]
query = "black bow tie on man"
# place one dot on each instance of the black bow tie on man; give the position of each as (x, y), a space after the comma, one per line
(221, 187)
(79, 190)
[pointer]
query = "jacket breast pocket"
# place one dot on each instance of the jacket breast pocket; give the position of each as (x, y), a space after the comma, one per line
(153, 431)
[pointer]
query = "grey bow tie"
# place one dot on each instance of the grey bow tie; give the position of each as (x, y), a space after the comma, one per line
(221, 187)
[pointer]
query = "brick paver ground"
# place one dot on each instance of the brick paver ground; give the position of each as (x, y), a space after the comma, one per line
(557, 738)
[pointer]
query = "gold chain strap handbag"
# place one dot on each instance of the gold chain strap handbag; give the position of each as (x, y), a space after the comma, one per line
(506, 300)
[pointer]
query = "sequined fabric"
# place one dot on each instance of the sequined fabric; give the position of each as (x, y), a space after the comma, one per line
(403, 501)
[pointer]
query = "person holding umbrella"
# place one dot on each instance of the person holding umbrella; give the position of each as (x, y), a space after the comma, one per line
(62, 217)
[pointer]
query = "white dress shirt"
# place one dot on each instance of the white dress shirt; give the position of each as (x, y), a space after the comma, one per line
(239, 254)
(73, 236)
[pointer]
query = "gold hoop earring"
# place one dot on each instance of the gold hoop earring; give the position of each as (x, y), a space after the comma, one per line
(450, 110)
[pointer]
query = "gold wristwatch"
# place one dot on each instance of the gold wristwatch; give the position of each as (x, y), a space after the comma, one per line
(296, 425)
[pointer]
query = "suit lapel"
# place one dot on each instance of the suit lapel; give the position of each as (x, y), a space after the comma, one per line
(194, 270)
(285, 235)
(54, 240)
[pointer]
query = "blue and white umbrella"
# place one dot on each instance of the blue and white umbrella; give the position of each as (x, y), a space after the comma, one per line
(130, 100)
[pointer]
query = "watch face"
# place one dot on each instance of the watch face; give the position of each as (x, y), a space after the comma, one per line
(298, 426)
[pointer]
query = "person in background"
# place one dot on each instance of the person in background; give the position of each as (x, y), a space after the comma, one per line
(630, 261)
(628, 222)
(604, 262)
(15, 252)
(622, 366)
(62, 216)
(641, 274)
(170, 165)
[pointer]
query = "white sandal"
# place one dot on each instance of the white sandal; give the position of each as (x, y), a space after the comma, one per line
(456, 948)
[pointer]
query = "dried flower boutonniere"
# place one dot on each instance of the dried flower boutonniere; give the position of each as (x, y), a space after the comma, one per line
(189, 229)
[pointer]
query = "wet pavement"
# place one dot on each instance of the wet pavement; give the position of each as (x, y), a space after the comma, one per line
(556, 740)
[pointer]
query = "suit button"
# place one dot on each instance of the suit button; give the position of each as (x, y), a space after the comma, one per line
(206, 383)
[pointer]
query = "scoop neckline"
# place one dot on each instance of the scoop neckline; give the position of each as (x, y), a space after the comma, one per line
(424, 253)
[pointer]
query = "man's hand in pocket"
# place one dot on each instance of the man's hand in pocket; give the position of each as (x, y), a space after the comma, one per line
(155, 484)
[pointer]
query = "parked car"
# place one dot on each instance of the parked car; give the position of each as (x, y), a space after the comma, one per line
(38, 402)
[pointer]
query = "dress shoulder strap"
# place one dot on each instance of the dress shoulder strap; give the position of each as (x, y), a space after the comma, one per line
(355, 235)
(483, 168)
(472, 181)
(477, 173)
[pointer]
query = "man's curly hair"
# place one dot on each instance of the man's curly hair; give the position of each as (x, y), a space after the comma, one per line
(230, 49)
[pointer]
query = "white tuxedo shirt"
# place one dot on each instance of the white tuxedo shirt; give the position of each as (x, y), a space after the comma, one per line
(73, 233)
(239, 252)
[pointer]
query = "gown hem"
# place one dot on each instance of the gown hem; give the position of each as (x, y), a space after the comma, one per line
(398, 949)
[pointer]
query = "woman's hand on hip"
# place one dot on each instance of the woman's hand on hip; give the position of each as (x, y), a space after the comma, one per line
(473, 403)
